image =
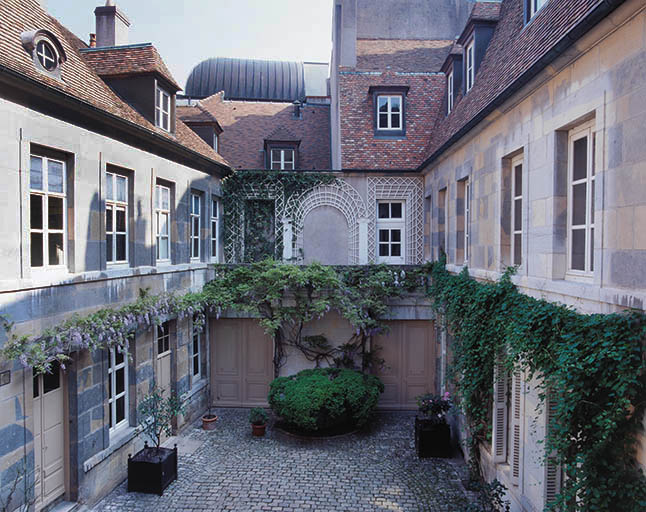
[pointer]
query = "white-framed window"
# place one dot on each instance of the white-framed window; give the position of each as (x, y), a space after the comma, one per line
(216, 142)
(116, 218)
(282, 159)
(449, 86)
(581, 190)
(389, 112)
(117, 389)
(516, 257)
(534, 6)
(470, 65)
(163, 339)
(215, 229)
(467, 219)
(47, 207)
(196, 225)
(442, 221)
(162, 222)
(162, 109)
(46, 55)
(196, 353)
(390, 232)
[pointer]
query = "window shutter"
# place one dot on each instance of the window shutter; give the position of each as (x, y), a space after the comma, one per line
(500, 414)
(552, 471)
(516, 427)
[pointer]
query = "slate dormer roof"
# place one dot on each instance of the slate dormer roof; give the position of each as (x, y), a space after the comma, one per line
(198, 115)
(455, 52)
(133, 59)
(516, 53)
(80, 88)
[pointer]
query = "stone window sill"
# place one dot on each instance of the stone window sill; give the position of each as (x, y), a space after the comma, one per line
(121, 438)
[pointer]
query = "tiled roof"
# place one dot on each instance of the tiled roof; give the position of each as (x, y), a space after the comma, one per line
(404, 55)
(514, 49)
(128, 60)
(197, 114)
(78, 79)
(485, 11)
(282, 134)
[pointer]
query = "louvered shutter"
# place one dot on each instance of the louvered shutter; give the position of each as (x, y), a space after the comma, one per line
(516, 427)
(500, 414)
(552, 471)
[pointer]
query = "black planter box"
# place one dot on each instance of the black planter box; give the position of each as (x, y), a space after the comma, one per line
(432, 439)
(151, 470)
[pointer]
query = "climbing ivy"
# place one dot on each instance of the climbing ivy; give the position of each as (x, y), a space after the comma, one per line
(592, 366)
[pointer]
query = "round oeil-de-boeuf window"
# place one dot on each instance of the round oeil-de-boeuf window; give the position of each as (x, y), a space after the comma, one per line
(46, 55)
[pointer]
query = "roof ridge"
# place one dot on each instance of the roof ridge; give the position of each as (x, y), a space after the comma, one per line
(120, 47)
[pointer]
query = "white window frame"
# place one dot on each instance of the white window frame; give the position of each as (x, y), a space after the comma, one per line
(535, 6)
(449, 85)
(116, 205)
(43, 58)
(470, 64)
(113, 396)
(467, 219)
(160, 211)
(516, 196)
(196, 199)
(216, 142)
(390, 224)
(584, 131)
(278, 160)
(160, 112)
(390, 114)
(45, 231)
(215, 228)
(196, 355)
(163, 336)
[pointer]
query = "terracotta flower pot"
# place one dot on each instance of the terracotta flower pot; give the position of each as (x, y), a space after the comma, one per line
(208, 421)
(258, 430)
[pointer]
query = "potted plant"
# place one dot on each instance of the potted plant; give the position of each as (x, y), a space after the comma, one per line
(432, 432)
(153, 468)
(258, 420)
(209, 419)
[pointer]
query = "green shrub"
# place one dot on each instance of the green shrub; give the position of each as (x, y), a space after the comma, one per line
(325, 399)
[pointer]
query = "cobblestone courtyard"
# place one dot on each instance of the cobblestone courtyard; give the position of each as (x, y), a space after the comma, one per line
(376, 470)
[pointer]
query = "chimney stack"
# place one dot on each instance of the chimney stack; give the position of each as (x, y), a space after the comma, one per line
(92, 40)
(111, 26)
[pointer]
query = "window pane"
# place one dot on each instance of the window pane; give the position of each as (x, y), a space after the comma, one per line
(592, 202)
(109, 184)
(396, 235)
(591, 249)
(121, 409)
(36, 211)
(120, 380)
(395, 104)
(383, 250)
(578, 204)
(166, 100)
(108, 247)
(518, 214)
(396, 211)
(578, 249)
(396, 250)
(580, 159)
(518, 248)
(394, 121)
(384, 235)
(163, 249)
(56, 248)
(289, 155)
(165, 198)
(518, 180)
(121, 247)
(196, 248)
(195, 205)
(214, 229)
(121, 188)
(157, 118)
(196, 365)
(121, 220)
(118, 357)
(214, 249)
(165, 120)
(382, 103)
(55, 176)
(163, 223)
(196, 226)
(36, 173)
(36, 387)
(51, 381)
(214, 208)
(37, 250)
(55, 207)
(383, 120)
(384, 210)
(109, 227)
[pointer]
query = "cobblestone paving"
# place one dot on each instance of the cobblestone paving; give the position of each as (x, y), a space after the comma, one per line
(376, 470)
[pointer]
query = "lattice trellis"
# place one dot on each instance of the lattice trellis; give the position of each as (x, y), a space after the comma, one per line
(340, 195)
(410, 190)
(264, 190)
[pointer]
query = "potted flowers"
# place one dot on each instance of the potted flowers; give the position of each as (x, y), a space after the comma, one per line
(432, 432)
(152, 469)
(258, 420)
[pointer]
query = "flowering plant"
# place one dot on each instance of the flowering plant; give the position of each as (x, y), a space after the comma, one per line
(434, 407)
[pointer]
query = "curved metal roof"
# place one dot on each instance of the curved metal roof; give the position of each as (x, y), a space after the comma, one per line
(246, 79)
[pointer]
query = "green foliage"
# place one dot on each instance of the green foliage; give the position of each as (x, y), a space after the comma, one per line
(592, 366)
(258, 416)
(434, 407)
(490, 497)
(155, 414)
(324, 399)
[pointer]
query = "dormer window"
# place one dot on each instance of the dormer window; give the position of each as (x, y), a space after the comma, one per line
(389, 112)
(470, 65)
(282, 159)
(45, 50)
(162, 109)
(389, 103)
(533, 6)
(46, 55)
(449, 91)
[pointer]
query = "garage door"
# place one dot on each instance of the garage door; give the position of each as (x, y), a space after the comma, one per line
(409, 353)
(241, 363)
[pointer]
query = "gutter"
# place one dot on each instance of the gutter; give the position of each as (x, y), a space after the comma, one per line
(591, 19)
(30, 85)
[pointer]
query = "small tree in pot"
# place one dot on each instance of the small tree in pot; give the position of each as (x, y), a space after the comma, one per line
(258, 420)
(152, 469)
(432, 432)
(209, 419)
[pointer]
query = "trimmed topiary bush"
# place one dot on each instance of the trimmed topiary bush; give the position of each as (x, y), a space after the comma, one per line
(325, 399)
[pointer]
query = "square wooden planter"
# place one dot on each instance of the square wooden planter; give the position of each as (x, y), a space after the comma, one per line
(432, 439)
(151, 470)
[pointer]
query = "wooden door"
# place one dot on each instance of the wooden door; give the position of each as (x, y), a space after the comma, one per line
(241, 363)
(409, 353)
(49, 437)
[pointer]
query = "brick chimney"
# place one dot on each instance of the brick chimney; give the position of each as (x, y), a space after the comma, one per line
(92, 40)
(111, 25)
